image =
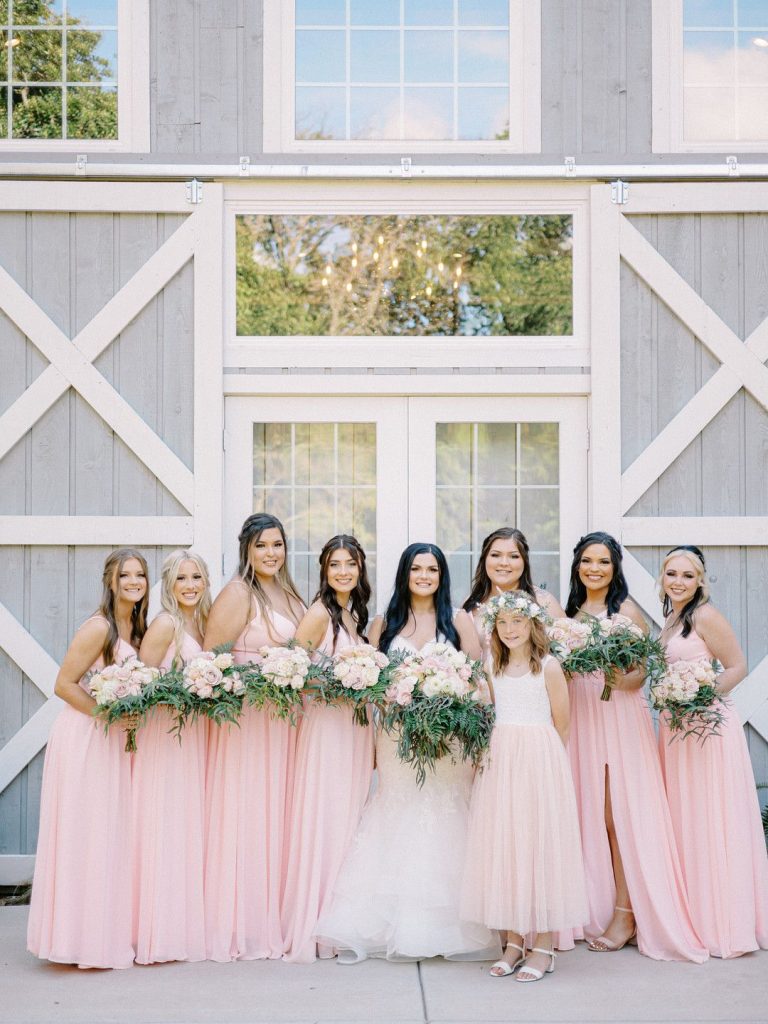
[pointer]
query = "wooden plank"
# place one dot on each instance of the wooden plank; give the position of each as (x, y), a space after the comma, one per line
(698, 197)
(176, 337)
(33, 660)
(642, 586)
(602, 42)
(691, 529)
(118, 531)
(560, 77)
(394, 383)
(13, 594)
(93, 196)
(18, 367)
(174, 73)
(251, 56)
(28, 741)
(637, 44)
(218, 84)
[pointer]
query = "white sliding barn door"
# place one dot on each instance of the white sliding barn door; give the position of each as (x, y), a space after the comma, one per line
(680, 397)
(110, 419)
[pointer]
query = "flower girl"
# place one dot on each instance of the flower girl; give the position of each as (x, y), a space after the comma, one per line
(524, 866)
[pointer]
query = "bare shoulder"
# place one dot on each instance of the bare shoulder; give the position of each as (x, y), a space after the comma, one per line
(375, 630)
(93, 630)
(549, 603)
(553, 672)
(162, 626)
(235, 594)
(317, 613)
(463, 620)
(707, 616)
(632, 611)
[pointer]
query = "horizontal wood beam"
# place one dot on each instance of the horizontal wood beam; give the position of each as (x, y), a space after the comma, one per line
(713, 531)
(712, 197)
(120, 531)
(94, 196)
(499, 385)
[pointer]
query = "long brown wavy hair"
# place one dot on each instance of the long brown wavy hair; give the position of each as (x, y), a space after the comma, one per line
(360, 596)
(481, 583)
(539, 643)
(112, 567)
(251, 530)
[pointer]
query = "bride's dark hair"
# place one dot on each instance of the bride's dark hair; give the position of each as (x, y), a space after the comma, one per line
(396, 615)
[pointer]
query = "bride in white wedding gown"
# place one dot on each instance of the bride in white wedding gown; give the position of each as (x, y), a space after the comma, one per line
(397, 894)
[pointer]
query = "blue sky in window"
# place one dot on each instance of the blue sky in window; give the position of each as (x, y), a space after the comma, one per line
(707, 13)
(320, 56)
(374, 112)
(483, 113)
(428, 112)
(375, 55)
(320, 111)
(483, 56)
(374, 12)
(753, 13)
(429, 56)
(320, 12)
(428, 12)
(93, 12)
(483, 12)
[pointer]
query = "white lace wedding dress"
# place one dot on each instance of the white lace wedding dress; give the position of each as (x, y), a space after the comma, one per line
(397, 894)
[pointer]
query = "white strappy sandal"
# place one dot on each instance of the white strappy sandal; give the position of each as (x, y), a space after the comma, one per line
(502, 968)
(537, 975)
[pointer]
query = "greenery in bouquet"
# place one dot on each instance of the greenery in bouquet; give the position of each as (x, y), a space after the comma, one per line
(209, 685)
(610, 645)
(433, 706)
(687, 697)
(122, 691)
(355, 675)
(277, 680)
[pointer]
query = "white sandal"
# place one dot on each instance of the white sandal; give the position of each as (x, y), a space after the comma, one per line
(603, 945)
(537, 974)
(505, 968)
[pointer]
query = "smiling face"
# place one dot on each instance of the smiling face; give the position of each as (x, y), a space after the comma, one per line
(680, 580)
(504, 564)
(130, 581)
(596, 567)
(343, 572)
(189, 585)
(267, 553)
(424, 577)
(514, 630)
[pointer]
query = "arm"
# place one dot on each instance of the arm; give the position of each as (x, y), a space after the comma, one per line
(634, 679)
(470, 643)
(157, 639)
(83, 651)
(375, 631)
(549, 603)
(557, 690)
(717, 633)
(229, 615)
(311, 629)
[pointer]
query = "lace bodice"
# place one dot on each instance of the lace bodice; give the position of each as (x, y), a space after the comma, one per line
(522, 700)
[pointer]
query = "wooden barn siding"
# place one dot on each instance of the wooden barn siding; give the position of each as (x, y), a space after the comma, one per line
(70, 463)
(206, 91)
(723, 472)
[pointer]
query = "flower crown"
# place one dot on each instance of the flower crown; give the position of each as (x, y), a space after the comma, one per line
(512, 601)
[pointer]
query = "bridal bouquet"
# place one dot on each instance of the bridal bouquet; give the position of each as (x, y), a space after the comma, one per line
(122, 690)
(215, 685)
(433, 703)
(276, 680)
(687, 698)
(607, 646)
(356, 675)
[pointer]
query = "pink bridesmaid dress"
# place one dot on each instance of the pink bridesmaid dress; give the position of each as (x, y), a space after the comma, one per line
(617, 736)
(716, 818)
(168, 815)
(248, 786)
(80, 911)
(334, 764)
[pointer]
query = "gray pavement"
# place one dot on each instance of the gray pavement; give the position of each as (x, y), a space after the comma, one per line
(605, 988)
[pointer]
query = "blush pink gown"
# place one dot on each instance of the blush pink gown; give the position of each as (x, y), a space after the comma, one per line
(168, 812)
(248, 788)
(716, 817)
(617, 737)
(80, 910)
(334, 764)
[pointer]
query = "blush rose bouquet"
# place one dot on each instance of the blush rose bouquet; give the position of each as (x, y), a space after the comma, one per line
(687, 698)
(122, 690)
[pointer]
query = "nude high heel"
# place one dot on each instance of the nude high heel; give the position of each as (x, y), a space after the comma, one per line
(603, 945)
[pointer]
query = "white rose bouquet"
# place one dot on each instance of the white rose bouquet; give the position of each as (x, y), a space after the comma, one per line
(277, 680)
(122, 690)
(687, 698)
(216, 685)
(355, 675)
(610, 645)
(434, 707)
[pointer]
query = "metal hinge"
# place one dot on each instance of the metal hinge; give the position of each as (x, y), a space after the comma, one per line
(194, 190)
(619, 192)
(732, 163)
(405, 167)
(81, 163)
(570, 166)
(245, 167)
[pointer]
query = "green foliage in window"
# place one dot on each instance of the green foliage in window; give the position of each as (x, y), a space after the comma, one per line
(426, 275)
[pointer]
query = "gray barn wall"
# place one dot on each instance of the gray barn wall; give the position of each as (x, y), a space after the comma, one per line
(723, 472)
(206, 92)
(71, 463)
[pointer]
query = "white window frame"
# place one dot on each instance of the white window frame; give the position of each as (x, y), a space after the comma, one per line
(525, 92)
(667, 85)
(411, 198)
(132, 93)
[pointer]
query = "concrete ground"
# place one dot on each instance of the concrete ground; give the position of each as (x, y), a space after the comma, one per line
(622, 987)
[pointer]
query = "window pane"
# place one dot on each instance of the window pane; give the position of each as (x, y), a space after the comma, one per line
(753, 13)
(496, 507)
(483, 12)
(37, 57)
(453, 453)
(375, 56)
(3, 113)
(425, 275)
(92, 12)
(320, 56)
(483, 113)
(374, 113)
(37, 113)
(496, 452)
(320, 113)
(3, 56)
(545, 570)
(428, 12)
(92, 113)
(753, 113)
(91, 56)
(540, 518)
(539, 453)
(428, 56)
(751, 60)
(709, 114)
(707, 13)
(428, 112)
(709, 58)
(454, 518)
(320, 12)
(484, 57)
(374, 12)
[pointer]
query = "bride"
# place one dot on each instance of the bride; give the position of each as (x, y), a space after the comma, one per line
(397, 894)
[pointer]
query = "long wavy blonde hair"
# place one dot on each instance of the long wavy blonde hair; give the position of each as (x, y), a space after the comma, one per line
(168, 576)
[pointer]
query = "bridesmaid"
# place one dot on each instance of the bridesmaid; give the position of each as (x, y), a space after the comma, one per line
(169, 783)
(504, 565)
(334, 755)
(710, 786)
(81, 894)
(250, 766)
(634, 881)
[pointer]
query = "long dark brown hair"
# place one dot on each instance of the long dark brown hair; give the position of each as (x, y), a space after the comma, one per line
(360, 596)
(618, 591)
(399, 608)
(481, 582)
(112, 568)
(251, 530)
